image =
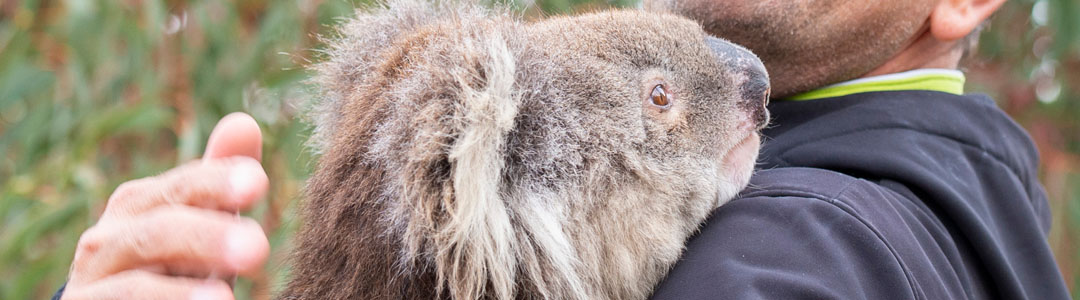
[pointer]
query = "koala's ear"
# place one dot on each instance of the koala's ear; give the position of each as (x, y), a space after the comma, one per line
(476, 238)
(351, 53)
(356, 48)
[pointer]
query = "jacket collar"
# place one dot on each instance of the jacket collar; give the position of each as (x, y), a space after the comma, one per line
(941, 80)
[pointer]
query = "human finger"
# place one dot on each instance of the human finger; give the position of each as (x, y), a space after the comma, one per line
(225, 184)
(139, 284)
(237, 134)
(197, 241)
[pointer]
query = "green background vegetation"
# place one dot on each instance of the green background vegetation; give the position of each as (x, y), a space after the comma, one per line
(94, 93)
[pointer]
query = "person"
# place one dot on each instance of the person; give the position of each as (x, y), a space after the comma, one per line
(879, 179)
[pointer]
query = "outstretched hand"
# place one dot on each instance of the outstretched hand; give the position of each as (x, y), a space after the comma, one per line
(175, 236)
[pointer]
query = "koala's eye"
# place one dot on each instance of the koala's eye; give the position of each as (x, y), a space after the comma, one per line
(660, 96)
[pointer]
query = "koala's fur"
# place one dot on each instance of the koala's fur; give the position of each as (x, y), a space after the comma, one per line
(467, 154)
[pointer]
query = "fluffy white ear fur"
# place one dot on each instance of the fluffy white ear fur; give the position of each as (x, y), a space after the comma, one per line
(478, 247)
(476, 244)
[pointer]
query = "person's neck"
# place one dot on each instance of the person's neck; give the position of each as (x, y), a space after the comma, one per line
(923, 52)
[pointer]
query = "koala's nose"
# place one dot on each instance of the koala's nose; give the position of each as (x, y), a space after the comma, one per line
(755, 89)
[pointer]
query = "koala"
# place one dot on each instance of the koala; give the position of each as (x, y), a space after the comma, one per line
(468, 154)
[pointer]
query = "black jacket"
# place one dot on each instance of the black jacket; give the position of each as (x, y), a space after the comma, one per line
(883, 195)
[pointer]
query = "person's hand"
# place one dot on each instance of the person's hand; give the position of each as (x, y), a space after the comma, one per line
(175, 236)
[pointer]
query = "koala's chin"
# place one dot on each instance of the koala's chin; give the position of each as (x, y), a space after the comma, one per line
(467, 154)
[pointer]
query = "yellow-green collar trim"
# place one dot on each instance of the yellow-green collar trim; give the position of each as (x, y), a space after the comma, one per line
(941, 80)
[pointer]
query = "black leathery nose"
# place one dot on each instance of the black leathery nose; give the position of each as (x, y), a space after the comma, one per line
(755, 90)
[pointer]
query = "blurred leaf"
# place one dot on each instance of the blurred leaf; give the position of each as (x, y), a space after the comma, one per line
(21, 80)
(1066, 25)
(120, 120)
(21, 238)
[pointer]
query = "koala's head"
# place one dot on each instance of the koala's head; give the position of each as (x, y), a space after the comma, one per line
(466, 153)
(648, 92)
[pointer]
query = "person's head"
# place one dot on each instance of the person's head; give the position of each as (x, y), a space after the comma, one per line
(806, 44)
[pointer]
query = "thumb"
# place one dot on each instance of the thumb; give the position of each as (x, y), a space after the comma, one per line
(236, 134)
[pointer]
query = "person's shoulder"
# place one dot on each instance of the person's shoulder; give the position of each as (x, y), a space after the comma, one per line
(800, 188)
(809, 183)
(791, 235)
(794, 198)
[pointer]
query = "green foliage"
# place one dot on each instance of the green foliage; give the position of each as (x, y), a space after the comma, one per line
(94, 93)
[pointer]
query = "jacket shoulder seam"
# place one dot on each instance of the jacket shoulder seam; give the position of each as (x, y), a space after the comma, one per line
(836, 202)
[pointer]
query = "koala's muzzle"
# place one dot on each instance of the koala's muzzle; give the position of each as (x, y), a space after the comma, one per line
(754, 90)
